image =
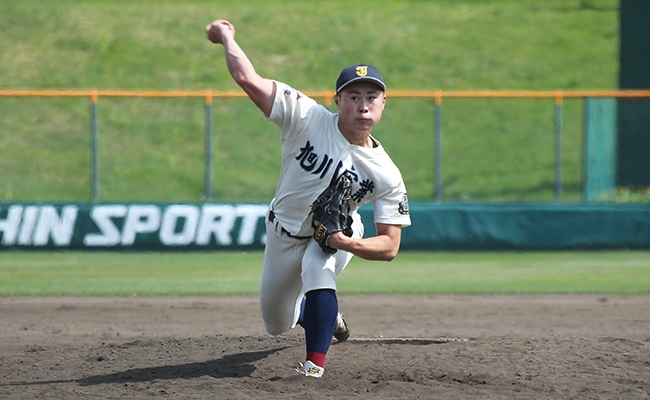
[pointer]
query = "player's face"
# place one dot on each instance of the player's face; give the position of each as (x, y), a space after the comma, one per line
(360, 106)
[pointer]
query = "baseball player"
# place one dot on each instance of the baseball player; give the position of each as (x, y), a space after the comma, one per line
(318, 148)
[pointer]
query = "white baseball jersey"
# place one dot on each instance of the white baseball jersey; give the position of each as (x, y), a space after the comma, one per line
(315, 153)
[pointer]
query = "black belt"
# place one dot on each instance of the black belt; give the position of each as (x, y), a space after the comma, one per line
(272, 218)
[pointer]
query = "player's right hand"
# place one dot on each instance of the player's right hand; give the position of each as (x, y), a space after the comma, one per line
(218, 30)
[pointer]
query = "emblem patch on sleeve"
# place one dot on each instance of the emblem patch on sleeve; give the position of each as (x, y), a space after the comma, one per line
(404, 205)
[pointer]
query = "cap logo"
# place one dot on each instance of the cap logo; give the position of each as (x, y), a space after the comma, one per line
(362, 70)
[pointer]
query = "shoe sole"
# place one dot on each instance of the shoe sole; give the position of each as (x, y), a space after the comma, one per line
(342, 334)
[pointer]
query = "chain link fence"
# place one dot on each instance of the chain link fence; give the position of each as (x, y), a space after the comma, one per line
(450, 147)
(45, 149)
(633, 146)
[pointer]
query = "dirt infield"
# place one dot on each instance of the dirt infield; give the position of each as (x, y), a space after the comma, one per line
(411, 347)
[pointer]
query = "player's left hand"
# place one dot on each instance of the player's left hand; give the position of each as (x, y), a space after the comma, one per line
(331, 212)
(338, 240)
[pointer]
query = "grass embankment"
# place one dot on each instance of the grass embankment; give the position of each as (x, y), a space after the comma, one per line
(152, 149)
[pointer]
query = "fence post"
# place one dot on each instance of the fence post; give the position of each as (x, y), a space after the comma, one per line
(93, 131)
(437, 190)
(600, 147)
(208, 144)
(558, 145)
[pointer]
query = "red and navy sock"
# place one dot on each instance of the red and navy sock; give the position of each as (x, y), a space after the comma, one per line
(319, 319)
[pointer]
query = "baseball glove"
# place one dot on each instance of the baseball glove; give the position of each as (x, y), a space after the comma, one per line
(331, 212)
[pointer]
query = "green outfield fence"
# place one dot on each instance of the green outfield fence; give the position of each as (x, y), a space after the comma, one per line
(458, 146)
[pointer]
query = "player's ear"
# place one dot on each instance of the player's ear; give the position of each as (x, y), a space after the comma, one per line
(337, 101)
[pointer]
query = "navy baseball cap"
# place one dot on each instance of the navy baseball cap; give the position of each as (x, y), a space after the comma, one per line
(359, 72)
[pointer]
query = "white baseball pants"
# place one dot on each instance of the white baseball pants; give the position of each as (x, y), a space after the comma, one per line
(293, 267)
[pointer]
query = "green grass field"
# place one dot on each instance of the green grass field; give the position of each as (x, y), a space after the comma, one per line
(232, 273)
(152, 149)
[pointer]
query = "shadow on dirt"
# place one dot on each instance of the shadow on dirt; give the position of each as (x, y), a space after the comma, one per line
(231, 366)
